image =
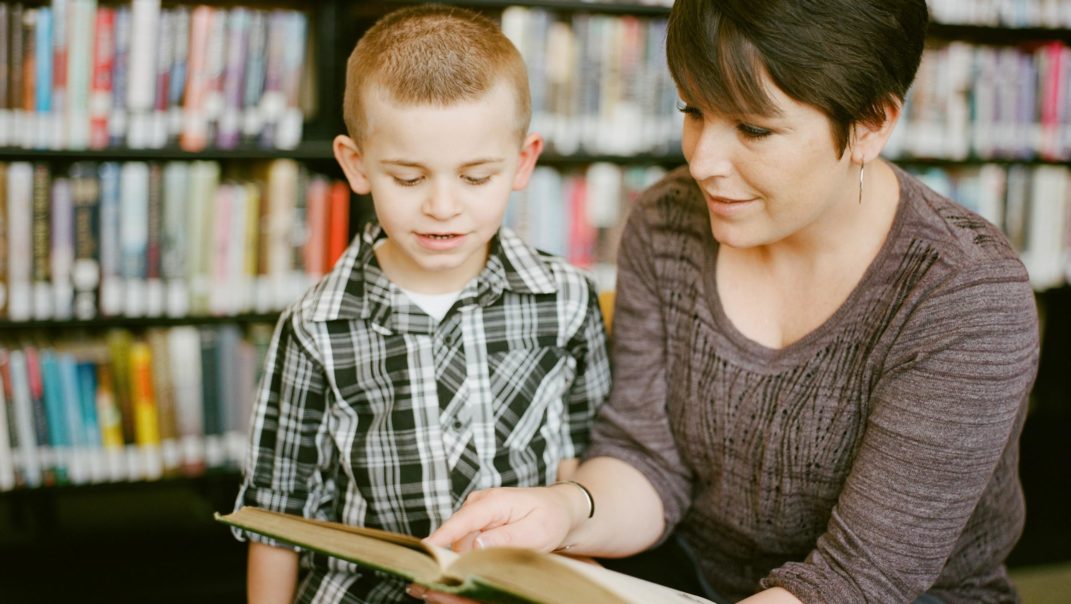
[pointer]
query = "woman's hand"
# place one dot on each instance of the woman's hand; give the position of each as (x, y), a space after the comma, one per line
(535, 518)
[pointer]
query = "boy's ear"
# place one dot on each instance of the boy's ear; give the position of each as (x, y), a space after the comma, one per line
(869, 139)
(530, 150)
(349, 157)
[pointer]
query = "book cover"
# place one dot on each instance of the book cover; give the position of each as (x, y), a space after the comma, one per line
(134, 236)
(500, 574)
(86, 384)
(46, 386)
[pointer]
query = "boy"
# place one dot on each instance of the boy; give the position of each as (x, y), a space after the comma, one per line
(441, 355)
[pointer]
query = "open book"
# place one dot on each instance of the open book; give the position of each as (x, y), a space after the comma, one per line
(502, 574)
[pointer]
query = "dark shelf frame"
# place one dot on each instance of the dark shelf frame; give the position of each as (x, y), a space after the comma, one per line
(104, 323)
(997, 34)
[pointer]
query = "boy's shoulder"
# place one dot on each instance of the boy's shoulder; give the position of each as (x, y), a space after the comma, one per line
(535, 271)
(337, 294)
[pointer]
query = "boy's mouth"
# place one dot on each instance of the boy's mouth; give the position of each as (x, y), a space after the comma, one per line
(441, 236)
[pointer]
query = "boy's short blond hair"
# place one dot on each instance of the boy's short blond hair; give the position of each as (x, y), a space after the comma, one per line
(432, 55)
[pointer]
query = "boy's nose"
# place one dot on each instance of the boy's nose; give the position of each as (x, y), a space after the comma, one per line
(441, 204)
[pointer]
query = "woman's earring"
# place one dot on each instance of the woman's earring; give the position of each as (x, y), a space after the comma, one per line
(861, 168)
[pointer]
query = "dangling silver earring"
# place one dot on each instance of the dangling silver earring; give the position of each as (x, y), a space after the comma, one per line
(861, 168)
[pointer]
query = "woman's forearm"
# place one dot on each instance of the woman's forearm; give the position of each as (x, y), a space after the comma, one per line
(628, 512)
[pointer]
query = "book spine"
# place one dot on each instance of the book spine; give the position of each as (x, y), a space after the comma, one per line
(134, 235)
(155, 298)
(86, 383)
(42, 29)
(7, 450)
(215, 452)
(273, 98)
(170, 453)
(56, 129)
(175, 237)
(27, 128)
(100, 96)
(288, 130)
(17, 374)
(110, 416)
(79, 72)
(20, 241)
(15, 75)
(85, 274)
(111, 282)
(338, 223)
(184, 352)
(119, 117)
(140, 92)
(236, 43)
(42, 288)
(194, 135)
(45, 383)
(4, 249)
(177, 81)
(146, 420)
(78, 455)
(165, 57)
(61, 252)
(5, 76)
(253, 87)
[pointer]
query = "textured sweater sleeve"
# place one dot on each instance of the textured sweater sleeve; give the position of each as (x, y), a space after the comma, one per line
(948, 402)
(634, 425)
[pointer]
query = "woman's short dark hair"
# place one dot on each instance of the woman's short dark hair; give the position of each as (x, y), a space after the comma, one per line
(847, 58)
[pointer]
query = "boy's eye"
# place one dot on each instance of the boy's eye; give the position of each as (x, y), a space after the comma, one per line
(408, 182)
(475, 180)
(750, 131)
(689, 110)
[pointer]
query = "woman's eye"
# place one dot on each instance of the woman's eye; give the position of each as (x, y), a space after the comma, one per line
(476, 180)
(753, 131)
(407, 182)
(689, 110)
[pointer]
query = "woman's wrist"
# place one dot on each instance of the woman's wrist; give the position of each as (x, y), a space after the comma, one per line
(581, 504)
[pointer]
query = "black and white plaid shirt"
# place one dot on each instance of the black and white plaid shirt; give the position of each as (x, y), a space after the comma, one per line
(372, 413)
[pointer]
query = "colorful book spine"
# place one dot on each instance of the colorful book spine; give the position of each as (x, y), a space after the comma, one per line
(16, 373)
(79, 72)
(20, 242)
(85, 273)
(61, 252)
(141, 88)
(54, 120)
(42, 286)
(146, 419)
(100, 94)
(5, 75)
(118, 120)
(47, 96)
(111, 280)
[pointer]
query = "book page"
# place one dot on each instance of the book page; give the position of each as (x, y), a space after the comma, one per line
(394, 553)
(553, 578)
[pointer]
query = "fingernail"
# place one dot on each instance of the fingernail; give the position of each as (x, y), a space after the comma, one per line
(416, 591)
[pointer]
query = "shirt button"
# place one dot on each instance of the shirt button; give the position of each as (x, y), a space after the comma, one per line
(458, 424)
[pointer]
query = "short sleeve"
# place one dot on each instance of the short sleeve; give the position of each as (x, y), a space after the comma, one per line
(291, 457)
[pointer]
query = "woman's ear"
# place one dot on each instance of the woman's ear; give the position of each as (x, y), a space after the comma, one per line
(349, 157)
(868, 139)
(530, 150)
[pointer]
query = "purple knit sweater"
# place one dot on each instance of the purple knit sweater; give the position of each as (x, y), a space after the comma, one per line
(871, 461)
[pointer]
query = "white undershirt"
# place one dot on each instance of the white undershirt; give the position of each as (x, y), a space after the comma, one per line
(435, 305)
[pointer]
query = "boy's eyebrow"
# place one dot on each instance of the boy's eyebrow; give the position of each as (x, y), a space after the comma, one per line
(412, 164)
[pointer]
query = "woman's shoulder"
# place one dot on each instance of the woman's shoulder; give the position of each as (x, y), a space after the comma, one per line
(961, 239)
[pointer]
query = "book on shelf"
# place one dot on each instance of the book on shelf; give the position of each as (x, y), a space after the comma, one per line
(503, 574)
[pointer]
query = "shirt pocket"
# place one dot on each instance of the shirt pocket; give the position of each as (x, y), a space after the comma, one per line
(527, 390)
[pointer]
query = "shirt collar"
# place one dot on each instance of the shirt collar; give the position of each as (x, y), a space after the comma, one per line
(358, 288)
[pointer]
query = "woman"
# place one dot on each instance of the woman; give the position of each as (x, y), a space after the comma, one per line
(821, 366)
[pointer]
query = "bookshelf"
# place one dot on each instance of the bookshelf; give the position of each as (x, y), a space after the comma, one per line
(68, 517)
